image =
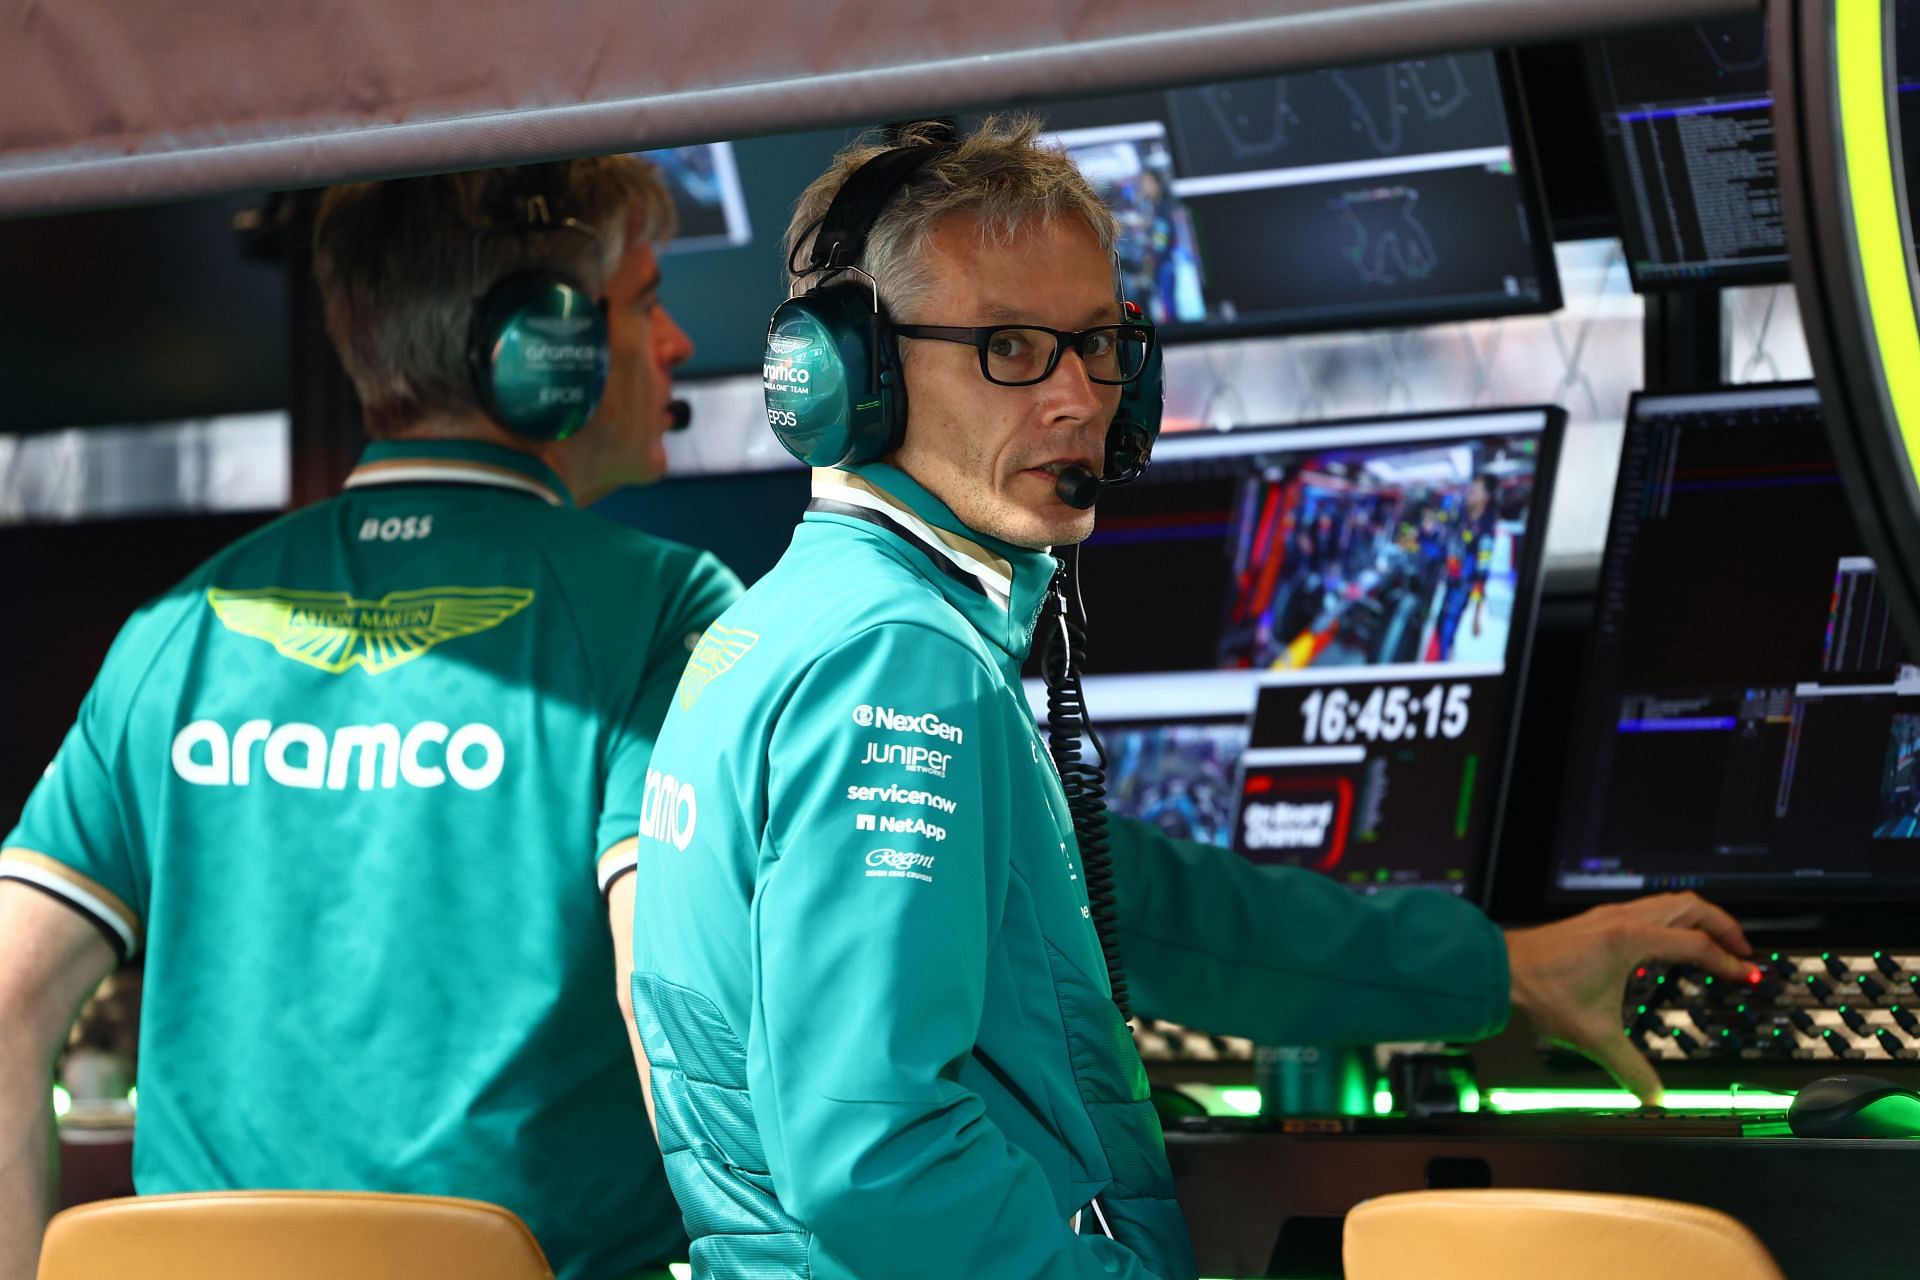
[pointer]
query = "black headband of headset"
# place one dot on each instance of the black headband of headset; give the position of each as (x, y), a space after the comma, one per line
(845, 225)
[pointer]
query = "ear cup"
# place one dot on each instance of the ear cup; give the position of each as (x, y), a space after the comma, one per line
(1136, 423)
(537, 352)
(832, 386)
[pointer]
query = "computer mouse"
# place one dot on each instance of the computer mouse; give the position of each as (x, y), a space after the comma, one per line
(1853, 1106)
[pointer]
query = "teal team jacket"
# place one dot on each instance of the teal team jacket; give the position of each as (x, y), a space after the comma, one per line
(344, 790)
(865, 972)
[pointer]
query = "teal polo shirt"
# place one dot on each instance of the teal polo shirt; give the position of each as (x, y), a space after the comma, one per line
(352, 789)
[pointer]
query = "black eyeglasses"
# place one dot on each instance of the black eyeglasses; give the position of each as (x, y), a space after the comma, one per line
(1019, 355)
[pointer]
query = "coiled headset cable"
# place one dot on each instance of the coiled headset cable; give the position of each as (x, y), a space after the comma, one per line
(1083, 780)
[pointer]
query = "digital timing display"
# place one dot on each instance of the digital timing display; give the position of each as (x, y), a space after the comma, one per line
(1357, 595)
(1376, 779)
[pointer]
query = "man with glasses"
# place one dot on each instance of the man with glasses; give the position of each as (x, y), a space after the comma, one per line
(882, 1035)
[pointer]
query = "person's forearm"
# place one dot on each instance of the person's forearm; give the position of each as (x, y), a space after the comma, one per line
(29, 1160)
(1286, 956)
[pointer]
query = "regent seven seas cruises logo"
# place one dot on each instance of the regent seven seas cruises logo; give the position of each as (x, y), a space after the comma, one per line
(331, 631)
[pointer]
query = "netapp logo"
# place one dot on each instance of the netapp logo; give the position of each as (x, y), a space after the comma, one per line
(898, 722)
(306, 757)
(901, 795)
(1287, 826)
(668, 810)
(913, 759)
(783, 373)
(899, 826)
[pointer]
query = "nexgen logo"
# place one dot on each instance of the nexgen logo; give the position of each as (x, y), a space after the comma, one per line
(927, 723)
(305, 756)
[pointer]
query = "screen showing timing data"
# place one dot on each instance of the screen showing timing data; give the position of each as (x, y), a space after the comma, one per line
(1751, 717)
(1688, 123)
(1305, 642)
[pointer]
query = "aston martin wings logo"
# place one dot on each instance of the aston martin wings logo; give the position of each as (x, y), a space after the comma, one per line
(560, 326)
(785, 344)
(712, 658)
(332, 631)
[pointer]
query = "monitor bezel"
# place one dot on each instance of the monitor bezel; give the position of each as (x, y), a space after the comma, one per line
(1534, 892)
(1526, 173)
(1619, 181)
(1552, 424)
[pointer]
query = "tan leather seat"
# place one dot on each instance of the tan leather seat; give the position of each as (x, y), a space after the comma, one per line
(1568, 1235)
(290, 1235)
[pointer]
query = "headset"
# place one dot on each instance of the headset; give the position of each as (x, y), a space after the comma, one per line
(537, 340)
(831, 374)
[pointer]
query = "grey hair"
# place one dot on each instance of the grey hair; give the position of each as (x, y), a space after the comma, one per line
(395, 263)
(1000, 173)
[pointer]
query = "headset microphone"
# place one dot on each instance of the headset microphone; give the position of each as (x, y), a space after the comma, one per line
(679, 415)
(1078, 487)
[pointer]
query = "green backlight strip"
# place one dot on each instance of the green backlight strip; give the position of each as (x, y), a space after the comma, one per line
(1244, 1101)
(1513, 1100)
(1860, 72)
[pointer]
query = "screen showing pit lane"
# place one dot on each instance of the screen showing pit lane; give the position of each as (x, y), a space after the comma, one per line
(1687, 118)
(1358, 595)
(1379, 194)
(1752, 720)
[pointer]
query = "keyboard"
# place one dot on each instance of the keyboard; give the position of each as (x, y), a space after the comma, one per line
(1807, 1006)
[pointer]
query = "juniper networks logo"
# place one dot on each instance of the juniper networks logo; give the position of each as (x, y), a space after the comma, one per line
(912, 759)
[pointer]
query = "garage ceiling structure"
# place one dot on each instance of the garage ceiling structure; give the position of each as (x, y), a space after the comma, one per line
(113, 102)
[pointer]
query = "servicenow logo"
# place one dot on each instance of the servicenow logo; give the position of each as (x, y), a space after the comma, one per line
(361, 756)
(902, 722)
(902, 795)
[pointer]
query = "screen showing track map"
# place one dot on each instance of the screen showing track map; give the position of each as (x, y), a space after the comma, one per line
(1377, 194)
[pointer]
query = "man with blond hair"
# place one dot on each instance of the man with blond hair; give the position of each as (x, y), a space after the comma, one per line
(867, 971)
(349, 788)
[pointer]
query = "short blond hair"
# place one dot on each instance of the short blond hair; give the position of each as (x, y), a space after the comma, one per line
(396, 267)
(1001, 173)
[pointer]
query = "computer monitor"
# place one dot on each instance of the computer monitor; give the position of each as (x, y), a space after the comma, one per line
(1173, 744)
(1750, 722)
(1393, 193)
(709, 206)
(724, 272)
(1390, 193)
(1360, 594)
(1686, 114)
